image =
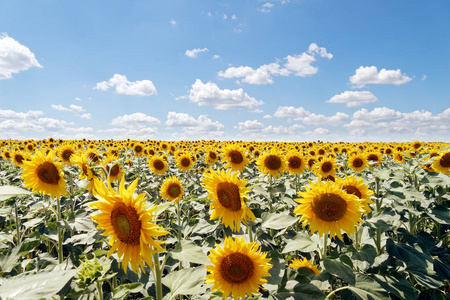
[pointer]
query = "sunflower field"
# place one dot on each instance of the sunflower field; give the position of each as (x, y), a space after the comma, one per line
(83, 219)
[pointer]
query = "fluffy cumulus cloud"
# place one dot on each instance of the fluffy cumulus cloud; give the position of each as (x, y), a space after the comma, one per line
(195, 52)
(123, 86)
(210, 94)
(135, 121)
(202, 126)
(353, 98)
(371, 75)
(15, 57)
(318, 119)
(266, 7)
(254, 129)
(291, 112)
(297, 64)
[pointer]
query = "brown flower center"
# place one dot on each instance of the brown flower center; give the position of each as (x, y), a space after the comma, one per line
(114, 170)
(126, 224)
(327, 167)
(158, 165)
(272, 162)
(350, 189)
(236, 268)
(48, 173)
(388, 151)
(185, 162)
(329, 207)
(93, 157)
(138, 149)
(372, 157)
(236, 157)
(357, 162)
(294, 162)
(174, 190)
(445, 160)
(66, 154)
(19, 158)
(228, 195)
(212, 155)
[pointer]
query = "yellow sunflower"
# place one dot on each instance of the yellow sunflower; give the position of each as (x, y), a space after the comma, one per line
(85, 164)
(297, 264)
(235, 157)
(128, 223)
(184, 162)
(325, 167)
(399, 157)
(44, 175)
(211, 156)
(441, 162)
(238, 268)
(228, 193)
(356, 186)
(113, 167)
(138, 149)
(65, 152)
(327, 208)
(357, 162)
(171, 189)
(272, 163)
(374, 158)
(18, 157)
(295, 164)
(158, 165)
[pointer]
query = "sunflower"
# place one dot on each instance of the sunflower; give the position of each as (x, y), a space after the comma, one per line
(171, 189)
(113, 167)
(295, 163)
(65, 152)
(399, 157)
(325, 167)
(228, 193)
(158, 165)
(327, 208)
(44, 175)
(18, 157)
(297, 264)
(441, 162)
(6, 154)
(128, 223)
(184, 162)
(211, 156)
(85, 164)
(374, 158)
(356, 186)
(272, 163)
(357, 162)
(235, 157)
(238, 268)
(138, 149)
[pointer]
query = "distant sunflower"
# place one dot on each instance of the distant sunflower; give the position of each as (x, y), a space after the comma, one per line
(297, 264)
(356, 186)
(128, 223)
(235, 157)
(325, 167)
(357, 162)
(138, 149)
(295, 164)
(238, 268)
(184, 162)
(374, 158)
(211, 156)
(441, 162)
(6, 154)
(18, 157)
(228, 194)
(399, 157)
(65, 152)
(158, 165)
(42, 174)
(171, 189)
(84, 163)
(113, 167)
(272, 163)
(327, 208)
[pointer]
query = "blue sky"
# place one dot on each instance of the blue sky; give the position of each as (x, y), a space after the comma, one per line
(297, 70)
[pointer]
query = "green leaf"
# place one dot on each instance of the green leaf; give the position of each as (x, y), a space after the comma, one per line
(339, 269)
(162, 207)
(190, 252)
(302, 242)
(204, 226)
(8, 191)
(431, 294)
(400, 287)
(10, 259)
(440, 214)
(37, 285)
(299, 291)
(367, 288)
(277, 221)
(185, 282)
(123, 290)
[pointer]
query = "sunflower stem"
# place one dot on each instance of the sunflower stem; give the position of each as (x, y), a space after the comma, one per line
(17, 222)
(60, 231)
(378, 241)
(250, 233)
(325, 245)
(179, 221)
(158, 281)
(99, 290)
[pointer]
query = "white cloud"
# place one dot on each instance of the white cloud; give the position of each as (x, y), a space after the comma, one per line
(173, 22)
(76, 109)
(319, 119)
(353, 98)
(233, 17)
(299, 64)
(12, 115)
(78, 99)
(370, 75)
(86, 116)
(136, 120)
(267, 117)
(195, 52)
(216, 56)
(125, 87)
(60, 107)
(135, 134)
(225, 16)
(266, 7)
(210, 94)
(317, 131)
(377, 114)
(202, 126)
(15, 57)
(291, 112)
(249, 126)
(424, 76)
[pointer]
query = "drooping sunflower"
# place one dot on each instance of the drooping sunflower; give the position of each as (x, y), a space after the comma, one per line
(272, 163)
(158, 165)
(357, 162)
(128, 223)
(238, 268)
(325, 207)
(42, 174)
(84, 163)
(441, 162)
(113, 167)
(356, 186)
(184, 162)
(325, 167)
(228, 194)
(295, 164)
(235, 157)
(171, 189)
(304, 263)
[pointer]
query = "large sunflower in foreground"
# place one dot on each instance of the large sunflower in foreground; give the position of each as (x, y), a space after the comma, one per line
(356, 186)
(128, 223)
(238, 268)
(44, 175)
(442, 162)
(228, 193)
(327, 208)
(272, 163)
(297, 264)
